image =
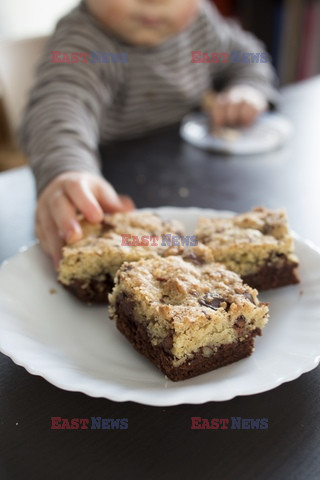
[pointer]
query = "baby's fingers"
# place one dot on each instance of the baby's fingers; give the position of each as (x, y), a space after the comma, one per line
(82, 197)
(218, 114)
(110, 201)
(248, 114)
(48, 235)
(64, 217)
(232, 114)
(127, 202)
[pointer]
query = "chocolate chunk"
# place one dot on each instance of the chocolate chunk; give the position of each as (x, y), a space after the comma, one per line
(248, 296)
(213, 301)
(106, 226)
(193, 258)
(239, 324)
(126, 268)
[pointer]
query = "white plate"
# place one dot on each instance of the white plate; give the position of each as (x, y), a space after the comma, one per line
(269, 132)
(78, 348)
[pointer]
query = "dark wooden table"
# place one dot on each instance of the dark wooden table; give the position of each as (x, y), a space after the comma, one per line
(159, 443)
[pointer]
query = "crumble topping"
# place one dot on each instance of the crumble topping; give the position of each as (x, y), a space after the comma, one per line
(101, 250)
(195, 306)
(245, 242)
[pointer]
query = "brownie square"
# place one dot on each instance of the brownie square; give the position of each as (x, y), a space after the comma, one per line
(88, 267)
(186, 314)
(257, 245)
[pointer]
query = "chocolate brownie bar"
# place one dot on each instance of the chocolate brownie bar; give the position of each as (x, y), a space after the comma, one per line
(186, 314)
(257, 245)
(88, 267)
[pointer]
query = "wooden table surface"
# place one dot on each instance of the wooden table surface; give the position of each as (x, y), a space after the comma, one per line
(159, 443)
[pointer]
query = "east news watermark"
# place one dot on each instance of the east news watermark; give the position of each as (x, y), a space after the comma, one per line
(57, 56)
(197, 56)
(92, 423)
(164, 240)
(236, 56)
(232, 423)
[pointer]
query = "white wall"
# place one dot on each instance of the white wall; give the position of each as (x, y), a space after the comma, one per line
(30, 18)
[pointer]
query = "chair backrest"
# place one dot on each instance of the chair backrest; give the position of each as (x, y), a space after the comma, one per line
(18, 59)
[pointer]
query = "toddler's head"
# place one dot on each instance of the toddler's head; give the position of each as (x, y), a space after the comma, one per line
(144, 22)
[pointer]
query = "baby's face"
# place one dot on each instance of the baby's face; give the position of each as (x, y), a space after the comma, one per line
(145, 22)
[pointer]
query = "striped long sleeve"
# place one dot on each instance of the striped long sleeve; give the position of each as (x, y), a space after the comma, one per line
(123, 91)
(61, 124)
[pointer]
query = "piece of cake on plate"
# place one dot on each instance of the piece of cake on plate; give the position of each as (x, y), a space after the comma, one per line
(88, 267)
(186, 314)
(257, 245)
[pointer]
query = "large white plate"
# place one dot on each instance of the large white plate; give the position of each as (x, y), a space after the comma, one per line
(77, 347)
(269, 132)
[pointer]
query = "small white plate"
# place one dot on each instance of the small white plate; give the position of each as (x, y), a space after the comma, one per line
(76, 347)
(269, 132)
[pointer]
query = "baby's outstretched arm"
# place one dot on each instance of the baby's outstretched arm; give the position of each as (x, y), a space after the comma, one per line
(61, 131)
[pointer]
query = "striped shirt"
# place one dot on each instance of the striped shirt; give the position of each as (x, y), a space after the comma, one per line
(74, 107)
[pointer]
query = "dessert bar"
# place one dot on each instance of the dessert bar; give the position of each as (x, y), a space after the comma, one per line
(88, 266)
(186, 314)
(257, 245)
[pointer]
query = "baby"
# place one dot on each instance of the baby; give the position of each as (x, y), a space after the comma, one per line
(116, 69)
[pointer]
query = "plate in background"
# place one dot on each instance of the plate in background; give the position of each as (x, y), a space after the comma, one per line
(270, 131)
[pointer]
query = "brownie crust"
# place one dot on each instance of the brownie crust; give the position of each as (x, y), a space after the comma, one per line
(161, 356)
(273, 276)
(94, 291)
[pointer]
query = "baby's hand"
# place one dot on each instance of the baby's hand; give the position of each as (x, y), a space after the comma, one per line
(238, 106)
(67, 194)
